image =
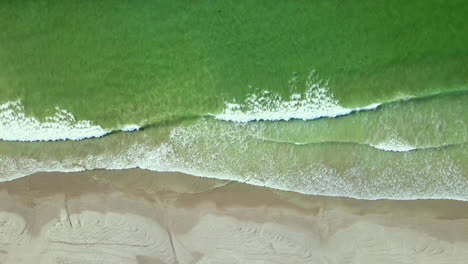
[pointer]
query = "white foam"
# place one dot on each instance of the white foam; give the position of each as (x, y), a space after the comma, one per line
(394, 146)
(389, 145)
(130, 128)
(315, 103)
(16, 126)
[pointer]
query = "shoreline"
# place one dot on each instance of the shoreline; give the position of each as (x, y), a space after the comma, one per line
(120, 171)
(138, 216)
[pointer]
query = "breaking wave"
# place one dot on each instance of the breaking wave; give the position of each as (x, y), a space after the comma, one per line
(15, 125)
(316, 102)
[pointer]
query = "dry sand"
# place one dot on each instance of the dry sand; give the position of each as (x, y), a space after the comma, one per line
(137, 216)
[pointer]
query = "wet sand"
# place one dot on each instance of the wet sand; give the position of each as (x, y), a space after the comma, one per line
(137, 216)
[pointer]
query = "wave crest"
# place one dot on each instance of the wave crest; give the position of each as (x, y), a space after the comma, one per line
(316, 102)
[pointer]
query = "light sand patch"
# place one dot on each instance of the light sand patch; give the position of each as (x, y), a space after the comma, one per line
(91, 218)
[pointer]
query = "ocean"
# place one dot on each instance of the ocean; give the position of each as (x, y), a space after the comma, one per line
(355, 98)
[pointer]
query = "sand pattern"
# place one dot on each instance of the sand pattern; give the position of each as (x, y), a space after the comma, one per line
(147, 217)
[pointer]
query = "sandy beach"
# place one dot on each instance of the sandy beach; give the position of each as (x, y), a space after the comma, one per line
(137, 216)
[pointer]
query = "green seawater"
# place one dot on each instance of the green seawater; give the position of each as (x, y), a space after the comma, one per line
(172, 66)
(144, 61)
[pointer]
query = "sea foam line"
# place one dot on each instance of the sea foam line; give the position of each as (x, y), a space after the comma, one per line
(316, 102)
(15, 125)
(388, 145)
